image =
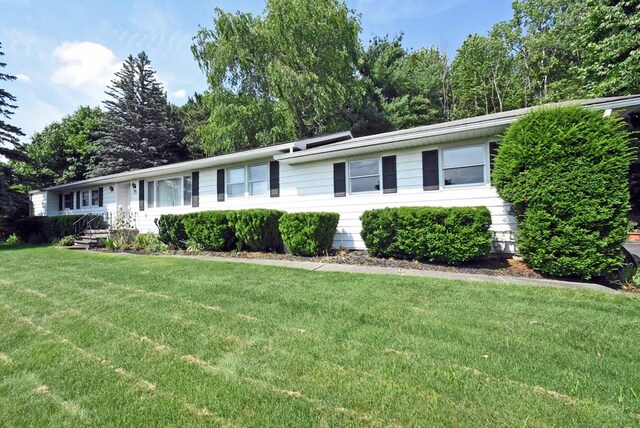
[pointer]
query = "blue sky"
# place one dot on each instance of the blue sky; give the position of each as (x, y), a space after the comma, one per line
(65, 52)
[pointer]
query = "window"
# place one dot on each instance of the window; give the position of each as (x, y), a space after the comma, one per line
(258, 180)
(169, 192)
(151, 187)
(463, 165)
(235, 182)
(95, 198)
(186, 190)
(364, 175)
(85, 198)
(68, 200)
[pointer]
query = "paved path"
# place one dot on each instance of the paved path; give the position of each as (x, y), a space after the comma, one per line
(334, 267)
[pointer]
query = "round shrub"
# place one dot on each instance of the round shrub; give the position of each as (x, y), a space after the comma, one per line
(171, 230)
(257, 229)
(209, 230)
(310, 233)
(564, 170)
(434, 234)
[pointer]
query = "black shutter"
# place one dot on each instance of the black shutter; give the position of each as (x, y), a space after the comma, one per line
(195, 189)
(430, 170)
(220, 183)
(60, 198)
(274, 178)
(339, 179)
(141, 195)
(493, 151)
(100, 196)
(77, 200)
(389, 178)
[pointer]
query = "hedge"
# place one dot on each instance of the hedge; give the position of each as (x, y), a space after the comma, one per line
(257, 229)
(40, 230)
(309, 233)
(433, 234)
(210, 230)
(171, 230)
(564, 170)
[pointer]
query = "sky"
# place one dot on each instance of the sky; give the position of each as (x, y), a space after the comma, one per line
(64, 53)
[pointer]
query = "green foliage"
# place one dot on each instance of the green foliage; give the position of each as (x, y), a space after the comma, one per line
(62, 151)
(309, 233)
(564, 170)
(257, 229)
(433, 234)
(148, 242)
(13, 239)
(45, 229)
(171, 230)
(284, 75)
(209, 230)
(67, 241)
(140, 128)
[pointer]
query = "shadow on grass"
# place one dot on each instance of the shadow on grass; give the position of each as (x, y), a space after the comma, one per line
(18, 247)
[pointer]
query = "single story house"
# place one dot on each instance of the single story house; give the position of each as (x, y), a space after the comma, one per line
(446, 164)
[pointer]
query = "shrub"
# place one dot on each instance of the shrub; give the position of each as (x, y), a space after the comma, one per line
(67, 241)
(149, 242)
(308, 234)
(13, 239)
(257, 229)
(209, 230)
(564, 170)
(46, 229)
(433, 234)
(171, 230)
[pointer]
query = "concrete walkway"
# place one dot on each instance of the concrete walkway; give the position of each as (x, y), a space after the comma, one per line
(378, 270)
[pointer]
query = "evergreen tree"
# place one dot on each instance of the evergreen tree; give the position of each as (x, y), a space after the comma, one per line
(11, 202)
(140, 129)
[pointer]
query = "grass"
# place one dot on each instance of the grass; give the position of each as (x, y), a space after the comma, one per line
(92, 339)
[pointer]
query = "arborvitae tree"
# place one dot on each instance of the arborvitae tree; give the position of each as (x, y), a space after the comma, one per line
(140, 130)
(11, 202)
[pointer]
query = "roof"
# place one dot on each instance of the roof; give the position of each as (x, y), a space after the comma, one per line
(343, 144)
(476, 127)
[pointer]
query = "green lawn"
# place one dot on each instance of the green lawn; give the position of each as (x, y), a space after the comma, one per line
(105, 340)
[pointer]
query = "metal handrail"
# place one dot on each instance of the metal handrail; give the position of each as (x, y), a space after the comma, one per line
(86, 222)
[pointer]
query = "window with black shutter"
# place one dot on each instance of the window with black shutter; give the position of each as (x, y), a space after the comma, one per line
(389, 175)
(339, 179)
(430, 170)
(100, 196)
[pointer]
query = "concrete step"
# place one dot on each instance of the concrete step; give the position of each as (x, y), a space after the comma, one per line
(78, 247)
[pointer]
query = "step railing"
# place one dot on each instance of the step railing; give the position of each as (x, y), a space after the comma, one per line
(87, 223)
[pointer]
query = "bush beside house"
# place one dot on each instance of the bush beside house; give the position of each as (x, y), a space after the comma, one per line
(209, 230)
(42, 230)
(309, 233)
(171, 230)
(564, 170)
(433, 234)
(257, 229)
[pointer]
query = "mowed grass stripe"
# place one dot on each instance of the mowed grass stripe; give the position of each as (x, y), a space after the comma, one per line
(390, 340)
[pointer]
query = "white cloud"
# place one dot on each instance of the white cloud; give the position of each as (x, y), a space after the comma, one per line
(180, 93)
(23, 78)
(85, 66)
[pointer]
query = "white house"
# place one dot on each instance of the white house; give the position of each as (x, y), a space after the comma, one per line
(445, 164)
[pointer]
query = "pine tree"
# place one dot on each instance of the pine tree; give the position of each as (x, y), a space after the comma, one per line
(140, 130)
(11, 202)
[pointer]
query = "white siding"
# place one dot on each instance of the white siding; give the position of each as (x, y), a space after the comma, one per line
(38, 203)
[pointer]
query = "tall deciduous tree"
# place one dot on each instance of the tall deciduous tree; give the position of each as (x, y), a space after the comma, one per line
(290, 73)
(11, 202)
(140, 128)
(63, 150)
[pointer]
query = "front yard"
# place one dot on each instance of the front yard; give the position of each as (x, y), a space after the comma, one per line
(110, 340)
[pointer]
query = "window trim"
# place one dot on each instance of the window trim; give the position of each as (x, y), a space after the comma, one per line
(181, 177)
(82, 200)
(91, 204)
(442, 151)
(379, 175)
(246, 193)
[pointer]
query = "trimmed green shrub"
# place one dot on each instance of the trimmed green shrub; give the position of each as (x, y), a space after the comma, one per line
(67, 241)
(433, 234)
(148, 242)
(38, 230)
(564, 170)
(209, 230)
(257, 229)
(310, 233)
(171, 230)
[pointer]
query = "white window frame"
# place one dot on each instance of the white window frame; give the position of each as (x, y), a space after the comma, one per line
(82, 193)
(379, 175)
(484, 165)
(246, 193)
(181, 191)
